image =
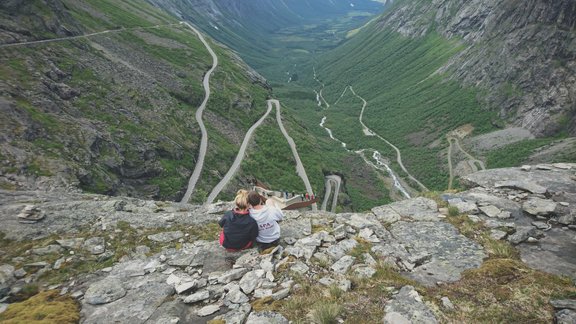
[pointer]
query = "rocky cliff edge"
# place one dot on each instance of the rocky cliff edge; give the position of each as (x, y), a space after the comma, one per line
(160, 262)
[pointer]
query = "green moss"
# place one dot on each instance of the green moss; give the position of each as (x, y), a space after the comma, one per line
(45, 119)
(37, 168)
(46, 307)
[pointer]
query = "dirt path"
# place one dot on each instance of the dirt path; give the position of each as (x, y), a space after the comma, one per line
(60, 39)
(204, 140)
(369, 132)
(299, 166)
(236, 165)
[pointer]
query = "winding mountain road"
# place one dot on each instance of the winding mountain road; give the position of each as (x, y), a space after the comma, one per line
(300, 170)
(241, 153)
(204, 140)
(336, 181)
(369, 132)
(299, 166)
(472, 161)
(60, 39)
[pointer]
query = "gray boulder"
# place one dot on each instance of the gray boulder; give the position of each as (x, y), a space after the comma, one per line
(6, 279)
(539, 207)
(143, 297)
(104, 292)
(343, 265)
(237, 316)
(266, 317)
(417, 209)
(449, 252)
(564, 304)
(407, 307)
(566, 316)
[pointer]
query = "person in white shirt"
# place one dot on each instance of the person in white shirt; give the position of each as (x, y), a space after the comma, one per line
(267, 216)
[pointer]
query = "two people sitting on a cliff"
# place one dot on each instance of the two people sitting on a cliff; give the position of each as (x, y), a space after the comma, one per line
(250, 221)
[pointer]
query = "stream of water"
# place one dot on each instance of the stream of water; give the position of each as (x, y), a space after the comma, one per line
(330, 132)
(380, 162)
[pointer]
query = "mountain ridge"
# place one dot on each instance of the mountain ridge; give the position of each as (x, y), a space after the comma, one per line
(501, 39)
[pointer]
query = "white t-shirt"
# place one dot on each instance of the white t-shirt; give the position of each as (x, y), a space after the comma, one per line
(267, 219)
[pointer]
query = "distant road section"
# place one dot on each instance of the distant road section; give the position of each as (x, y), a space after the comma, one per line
(299, 166)
(336, 180)
(204, 140)
(60, 39)
(236, 165)
(369, 132)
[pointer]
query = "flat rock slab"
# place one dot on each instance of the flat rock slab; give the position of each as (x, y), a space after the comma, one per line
(105, 291)
(296, 228)
(554, 253)
(538, 206)
(417, 209)
(450, 252)
(481, 196)
(553, 180)
(407, 307)
(136, 306)
(522, 185)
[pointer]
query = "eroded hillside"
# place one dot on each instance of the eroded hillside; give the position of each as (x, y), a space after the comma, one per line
(111, 110)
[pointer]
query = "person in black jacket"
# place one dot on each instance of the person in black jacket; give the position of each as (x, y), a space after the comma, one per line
(239, 230)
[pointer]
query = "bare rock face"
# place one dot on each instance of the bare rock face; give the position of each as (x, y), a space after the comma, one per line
(408, 307)
(532, 88)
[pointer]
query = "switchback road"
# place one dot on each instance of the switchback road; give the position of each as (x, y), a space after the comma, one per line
(204, 140)
(299, 166)
(236, 165)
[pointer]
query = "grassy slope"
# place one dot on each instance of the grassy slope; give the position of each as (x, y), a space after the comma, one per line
(163, 117)
(395, 74)
(171, 181)
(321, 155)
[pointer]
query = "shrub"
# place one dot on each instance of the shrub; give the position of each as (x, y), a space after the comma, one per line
(453, 211)
(326, 313)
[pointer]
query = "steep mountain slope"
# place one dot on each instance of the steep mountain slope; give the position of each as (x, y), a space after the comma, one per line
(523, 53)
(114, 112)
(262, 31)
(429, 68)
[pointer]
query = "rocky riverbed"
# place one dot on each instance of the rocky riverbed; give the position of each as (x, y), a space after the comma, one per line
(160, 262)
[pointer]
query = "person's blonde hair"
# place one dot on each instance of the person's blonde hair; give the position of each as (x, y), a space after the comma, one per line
(241, 199)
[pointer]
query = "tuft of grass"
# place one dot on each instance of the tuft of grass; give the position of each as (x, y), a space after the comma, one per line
(216, 321)
(335, 292)
(489, 293)
(326, 313)
(45, 307)
(471, 230)
(266, 303)
(453, 211)
(362, 247)
(500, 249)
